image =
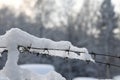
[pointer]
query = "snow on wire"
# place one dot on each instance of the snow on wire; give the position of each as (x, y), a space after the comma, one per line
(24, 49)
(77, 52)
(15, 38)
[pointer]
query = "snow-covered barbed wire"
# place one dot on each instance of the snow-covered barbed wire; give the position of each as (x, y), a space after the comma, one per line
(23, 49)
(16, 40)
(66, 50)
(97, 54)
(77, 52)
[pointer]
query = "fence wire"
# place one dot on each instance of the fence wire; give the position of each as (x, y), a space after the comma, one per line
(68, 50)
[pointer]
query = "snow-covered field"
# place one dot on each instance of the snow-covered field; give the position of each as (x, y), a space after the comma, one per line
(38, 68)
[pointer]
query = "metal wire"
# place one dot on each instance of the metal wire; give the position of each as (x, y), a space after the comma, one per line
(68, 50)
(92, 53)
(108, 64)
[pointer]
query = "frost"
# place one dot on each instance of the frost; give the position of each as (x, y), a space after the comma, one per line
(16, 37)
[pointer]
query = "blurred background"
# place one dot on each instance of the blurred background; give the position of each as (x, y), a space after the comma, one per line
(94, 24)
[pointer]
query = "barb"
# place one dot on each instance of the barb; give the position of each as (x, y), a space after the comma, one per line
(46, 49)
(68, 50)
(3, 51)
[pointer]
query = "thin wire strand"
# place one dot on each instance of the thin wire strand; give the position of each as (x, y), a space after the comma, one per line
(92, 53)
(108, 64)
(68, 50)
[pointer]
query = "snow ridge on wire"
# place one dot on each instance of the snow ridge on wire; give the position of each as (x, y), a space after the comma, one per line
(16, 37)
(92, 53)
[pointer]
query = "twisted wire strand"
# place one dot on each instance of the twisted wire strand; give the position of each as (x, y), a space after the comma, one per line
(68, 50)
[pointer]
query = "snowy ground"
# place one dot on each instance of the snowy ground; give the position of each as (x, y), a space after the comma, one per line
(38, 68)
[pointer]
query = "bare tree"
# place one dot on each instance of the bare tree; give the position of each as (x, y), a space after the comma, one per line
(107, 24)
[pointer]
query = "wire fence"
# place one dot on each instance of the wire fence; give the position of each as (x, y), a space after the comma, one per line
(95, 54)
(68, 50)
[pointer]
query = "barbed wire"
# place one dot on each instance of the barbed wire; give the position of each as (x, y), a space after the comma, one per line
(105, 63)
(93, 53)
(68, 50)
(108, 64)
(78, 52)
